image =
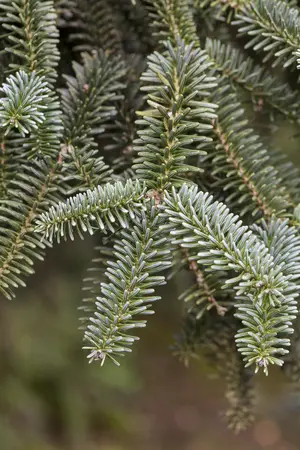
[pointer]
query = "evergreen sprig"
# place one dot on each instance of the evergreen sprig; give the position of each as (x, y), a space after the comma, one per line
(88, 102)
(266, 305)
(240, 164)
(23, 101)
(175, 126)
(266, 89)
(29, 181)
(172, 19)
(19, 245)
(273, 30)
(129, 287)
(32, 35)
(283, 242)
(100, 208)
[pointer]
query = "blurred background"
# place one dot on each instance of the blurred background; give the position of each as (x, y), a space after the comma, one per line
(52, 399)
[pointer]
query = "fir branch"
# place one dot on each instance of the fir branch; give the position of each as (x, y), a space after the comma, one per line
(34, 111)
(283, 242)
(32, 35)
(97, 209)
(28, 106)
(274, 28)
(19, 245)
(266, 304)
(172, 20)
(240, 164)
(87, 103)
(265, 88)
(30, 114)
(131, 277)
(119, 136)
(176, 125)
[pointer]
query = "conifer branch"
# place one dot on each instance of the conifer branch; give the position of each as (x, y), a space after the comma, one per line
(28, 106)
(19, 245)
(241, 166)
(171, 20)
(87, 103)
(100, 209)
(266, 304)
(32, 106)
(264, 87)
(23, 102)
(283, 242)
(176, 125)
(131, 277)
(32, 35)
(274, 28)
(193, 120)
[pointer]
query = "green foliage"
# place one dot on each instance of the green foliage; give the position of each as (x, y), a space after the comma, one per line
(172, 126)
(70, 128)
(29, 154)
(29, 107)
(32, 36)
(25, 98)
(97, 209)
(223, 243)
(273, 30)
(172, 19)
(87, 103)
(239, 162)
(19, 246)
(266, 89)
(128, 287)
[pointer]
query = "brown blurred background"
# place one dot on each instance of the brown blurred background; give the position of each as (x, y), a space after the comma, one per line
(51, 398)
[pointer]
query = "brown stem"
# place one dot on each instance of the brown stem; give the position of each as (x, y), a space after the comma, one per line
(236, 162)
(202, 283)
